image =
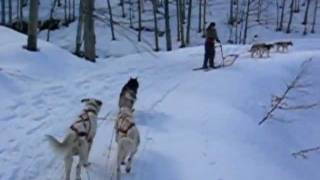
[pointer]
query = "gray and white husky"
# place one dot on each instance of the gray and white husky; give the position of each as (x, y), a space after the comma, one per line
(128, 95)
(127, 138)
(79, 140)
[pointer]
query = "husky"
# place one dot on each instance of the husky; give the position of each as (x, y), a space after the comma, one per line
(284, 45)
(128, 95)
(79, 140)
(127, 138)
(261, 49)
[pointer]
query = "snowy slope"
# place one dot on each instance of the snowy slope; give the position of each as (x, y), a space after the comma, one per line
(193, 124)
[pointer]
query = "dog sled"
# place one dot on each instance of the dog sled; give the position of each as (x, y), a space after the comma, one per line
(226, 61)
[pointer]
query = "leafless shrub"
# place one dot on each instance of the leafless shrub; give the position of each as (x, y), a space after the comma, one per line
(280, 102)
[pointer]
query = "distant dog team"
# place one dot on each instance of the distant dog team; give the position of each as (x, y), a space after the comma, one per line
(78, 141)
(260, 49)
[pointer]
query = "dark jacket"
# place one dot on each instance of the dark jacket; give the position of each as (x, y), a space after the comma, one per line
(211, 35)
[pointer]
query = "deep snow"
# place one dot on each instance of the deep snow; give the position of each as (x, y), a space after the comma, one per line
(193, 124)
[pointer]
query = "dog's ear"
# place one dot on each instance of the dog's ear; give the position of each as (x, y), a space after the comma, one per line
(99, 102)
(84, 100)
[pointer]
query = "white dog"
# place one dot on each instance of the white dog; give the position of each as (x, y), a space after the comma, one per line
(128, 139)
(80, 137)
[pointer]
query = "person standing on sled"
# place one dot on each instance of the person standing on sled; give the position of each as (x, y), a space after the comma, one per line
(211, 37)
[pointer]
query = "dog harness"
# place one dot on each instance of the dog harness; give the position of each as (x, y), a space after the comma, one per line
(82, 127)
(124, 125)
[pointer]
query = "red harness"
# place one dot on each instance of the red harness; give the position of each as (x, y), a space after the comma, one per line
(84, 117)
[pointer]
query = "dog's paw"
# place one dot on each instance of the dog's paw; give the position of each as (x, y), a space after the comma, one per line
(123, 163)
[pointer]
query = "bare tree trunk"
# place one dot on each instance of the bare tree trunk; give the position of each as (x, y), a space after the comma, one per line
(79, 30)
(189, 22)
(200, 16)
(21, 13)
(156, 39)
(277, 12)
(65, 13)
(237, 23)
(259, 10)
(246, 22)
(290, 18)
(33, 26)
(181, 24)
(3, 12)
(178, 20)
(69, 9)
(122, 8)
(231, 19)
(111, 20)
(74, 10)
(130, 13)
(204, 18)
(305, 20)
(167, 21)
(314, 16)
(10, 12)
(140, 23)
(51, 18)
(282, 15)
(89, 33)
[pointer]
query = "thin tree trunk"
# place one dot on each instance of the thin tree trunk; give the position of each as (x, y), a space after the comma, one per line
(69, 13)
(178, 20)
(305, 21)
(189, 22)
(21, 14)
(51, 18)
(259, 10)
(314, 16)
(33, 26)
(111, 20)
(290, 18)
(89, 33)
(140, 23)
(74, 10)
(130, 13)
(204, 18)
(277, 12)
(3, 12)
(10, 12)
(156, 39)
(122, 8)
(167, 21)
(282, 15)
(79, 30)
(181, 24)
(237, 23)
(246, 22)
(65, 12)
(231, 19)
(200, 17)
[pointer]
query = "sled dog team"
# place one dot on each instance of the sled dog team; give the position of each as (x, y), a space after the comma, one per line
(78, 141)
(264, 48)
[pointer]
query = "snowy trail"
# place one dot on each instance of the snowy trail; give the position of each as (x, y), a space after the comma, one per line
(193, 125)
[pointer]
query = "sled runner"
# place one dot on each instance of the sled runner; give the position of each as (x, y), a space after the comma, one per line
(227, 61)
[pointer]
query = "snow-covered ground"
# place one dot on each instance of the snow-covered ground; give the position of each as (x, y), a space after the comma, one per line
(193, 124)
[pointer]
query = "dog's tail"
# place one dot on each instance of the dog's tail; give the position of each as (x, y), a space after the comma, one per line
(57, 146)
